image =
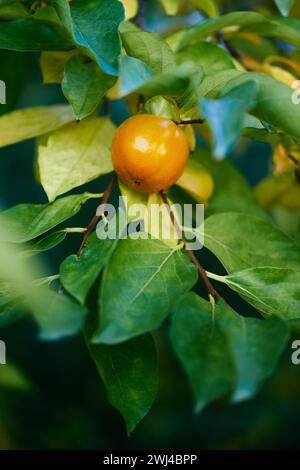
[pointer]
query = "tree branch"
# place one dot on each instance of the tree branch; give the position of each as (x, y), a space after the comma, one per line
(97, 217)
(215, 294)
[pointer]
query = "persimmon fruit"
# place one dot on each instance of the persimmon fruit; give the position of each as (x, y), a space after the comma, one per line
(149, 152)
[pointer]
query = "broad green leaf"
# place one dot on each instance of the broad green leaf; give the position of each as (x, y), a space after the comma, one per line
(170, 6)
(273, 102)
(25, 222)
(140, 287)
(13, 10)
(46, 243)
(150, 48)
(272, 291)
(136, 76)
(210, 57)
(284, 6)
(129, 372)
(225, 116)
(79, 274)
(11, 377)
(256, 346)
(203, 349)
(57, 315)
(53, 64)
(84, 85)
(94, 27)
(244, 241)
(74, 155)
(33, 122)
(33, 35)
(133, 74)
(231, 193)
(242, 21)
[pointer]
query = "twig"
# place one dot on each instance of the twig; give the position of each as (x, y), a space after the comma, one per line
(189, 121)
(97, 217)
(193, 258)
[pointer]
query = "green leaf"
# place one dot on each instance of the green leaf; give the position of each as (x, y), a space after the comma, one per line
(140, 287)
(243, 21)
(284, 6)
(136, 76)
(210, 57)
(256, 346)
(225, 116)
(203, 349)
(244, 241)
(129, 373)
(25, 222)
(94, 27)
(84, 85)
(272, 291)
(11, 377)
(150, 48)
(232, 192)
(46, 243)
(75, 155)
(273, 102)
(33, 122)
(33, 35)
(57, 315)
(13, 10)
(53, 64)
(133, 74)
(79, 274)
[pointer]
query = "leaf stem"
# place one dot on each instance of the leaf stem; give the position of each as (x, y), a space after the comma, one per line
(97, 216)
(212, 291)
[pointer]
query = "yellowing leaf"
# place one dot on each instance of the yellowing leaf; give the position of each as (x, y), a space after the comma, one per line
(272, 188)
(291, 198)
(131, 8)
(74, 155)
(282, 162)
(197, 181)
(53, 63)
(150, 210)
(191, 137)
(170, 6)
(280, 74)
(29, 123)
(207, 6)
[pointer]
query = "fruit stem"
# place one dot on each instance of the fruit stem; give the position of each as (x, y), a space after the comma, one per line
(189, 121)
(97, 216)
(213, 292)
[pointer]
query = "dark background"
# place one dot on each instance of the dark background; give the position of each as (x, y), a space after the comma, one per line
(67, 407)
